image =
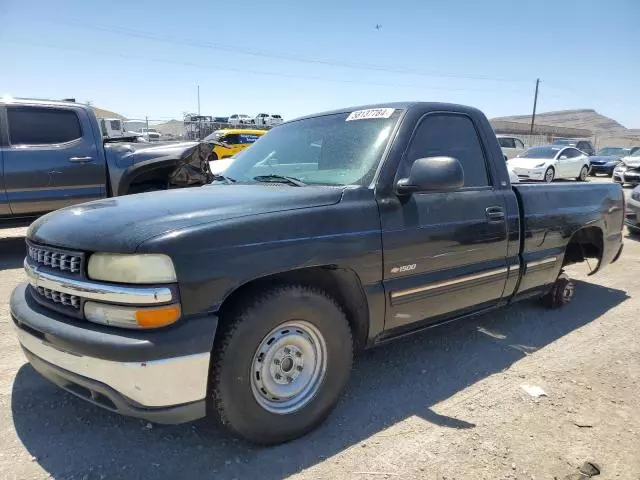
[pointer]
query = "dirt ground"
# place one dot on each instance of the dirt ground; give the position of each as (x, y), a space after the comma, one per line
(444, 404)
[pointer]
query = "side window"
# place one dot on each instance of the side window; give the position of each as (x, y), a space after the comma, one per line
(519, 143)
(42, 126)
(450, 136)
(231, 139)
(507, 142)
(571, 153)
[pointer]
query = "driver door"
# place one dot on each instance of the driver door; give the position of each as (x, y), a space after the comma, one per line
(445, 253)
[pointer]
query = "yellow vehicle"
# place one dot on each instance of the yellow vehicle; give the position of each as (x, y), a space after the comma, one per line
(232, 140)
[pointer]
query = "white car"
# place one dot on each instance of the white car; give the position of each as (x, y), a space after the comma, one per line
(240, 119)
(551, 162)
(219, 166)
(148, 134)
(267, 119)
(511, 146)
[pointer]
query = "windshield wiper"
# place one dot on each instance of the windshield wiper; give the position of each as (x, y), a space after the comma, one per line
(222, 178)
(280, 179)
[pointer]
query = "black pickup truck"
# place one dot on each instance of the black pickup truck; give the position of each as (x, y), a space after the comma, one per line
(247, 298)
(53, 155)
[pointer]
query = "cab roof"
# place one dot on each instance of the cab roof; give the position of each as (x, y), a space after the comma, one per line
(6, 100)
(397, 105)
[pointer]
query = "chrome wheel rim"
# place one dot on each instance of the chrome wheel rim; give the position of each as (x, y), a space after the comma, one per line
(583, 174)
(288, 367)
(548, 177)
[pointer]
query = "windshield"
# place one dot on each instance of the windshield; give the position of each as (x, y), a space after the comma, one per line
(541, 152)
(635, 154)
(609, 151)
(214, 136)
(336, 149)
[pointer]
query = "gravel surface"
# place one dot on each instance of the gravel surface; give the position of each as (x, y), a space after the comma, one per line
(444, 404)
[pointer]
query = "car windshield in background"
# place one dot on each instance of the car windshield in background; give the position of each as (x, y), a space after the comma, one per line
(337, 149)
(611, 151)
(635, 154)
(541, 152)
(564, 141)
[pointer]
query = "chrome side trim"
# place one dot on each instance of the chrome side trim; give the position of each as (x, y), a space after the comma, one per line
(157, 383)
(98, 291)
(445, 283)
(543, 261)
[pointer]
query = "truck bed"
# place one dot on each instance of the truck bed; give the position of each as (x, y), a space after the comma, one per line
(551, 214)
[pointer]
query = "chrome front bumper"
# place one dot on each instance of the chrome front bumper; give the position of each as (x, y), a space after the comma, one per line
(157, 375)
(152, 384)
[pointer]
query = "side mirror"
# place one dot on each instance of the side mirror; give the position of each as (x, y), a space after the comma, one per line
(432, 174)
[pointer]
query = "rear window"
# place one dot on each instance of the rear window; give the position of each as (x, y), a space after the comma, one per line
(42, 126)
(541, 152)
(507, 142)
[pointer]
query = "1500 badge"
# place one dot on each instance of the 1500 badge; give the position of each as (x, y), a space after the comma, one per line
(404, 268)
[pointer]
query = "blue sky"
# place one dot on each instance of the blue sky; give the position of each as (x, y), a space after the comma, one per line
(146, 58)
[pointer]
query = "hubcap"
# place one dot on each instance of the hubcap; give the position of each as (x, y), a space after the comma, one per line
(549, 175)
(288, 367)
(583, 173)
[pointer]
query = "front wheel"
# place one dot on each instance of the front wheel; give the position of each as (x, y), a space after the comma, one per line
(584, 172)
(549, 174)
(280, 363)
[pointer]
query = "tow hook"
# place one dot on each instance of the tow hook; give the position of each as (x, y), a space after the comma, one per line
(561, 293)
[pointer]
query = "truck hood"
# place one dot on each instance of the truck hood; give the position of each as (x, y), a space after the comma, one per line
(633, 162)
(120, 224)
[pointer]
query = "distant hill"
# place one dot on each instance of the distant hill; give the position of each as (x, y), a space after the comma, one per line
(606, 130)
(107, 113)
(172, 127)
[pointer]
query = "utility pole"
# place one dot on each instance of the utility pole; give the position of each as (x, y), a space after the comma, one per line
(535, 103)
(199, 118)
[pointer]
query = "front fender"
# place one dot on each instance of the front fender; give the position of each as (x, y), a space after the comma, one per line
(190, 168)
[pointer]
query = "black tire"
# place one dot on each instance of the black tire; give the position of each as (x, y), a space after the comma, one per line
(584, 172)
(561, 293)
(243, 331)
(548, 177)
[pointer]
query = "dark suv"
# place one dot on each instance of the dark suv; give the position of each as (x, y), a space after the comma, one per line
(584, 145)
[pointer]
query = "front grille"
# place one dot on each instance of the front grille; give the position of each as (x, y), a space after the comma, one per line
(59, 297)
(65, 262)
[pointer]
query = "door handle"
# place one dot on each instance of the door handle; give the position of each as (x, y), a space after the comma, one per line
(80, 159)
(495, 214)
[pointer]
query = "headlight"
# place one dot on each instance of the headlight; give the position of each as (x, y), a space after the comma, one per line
(636, 194)
(539, 165)
(144, 268)
(621, 168)
(131, 317)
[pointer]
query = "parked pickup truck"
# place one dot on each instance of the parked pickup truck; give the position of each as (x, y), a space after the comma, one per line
(247, 298)
(52, 155)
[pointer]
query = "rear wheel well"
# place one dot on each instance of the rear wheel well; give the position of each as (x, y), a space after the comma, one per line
(342, 285)
(585, 243)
